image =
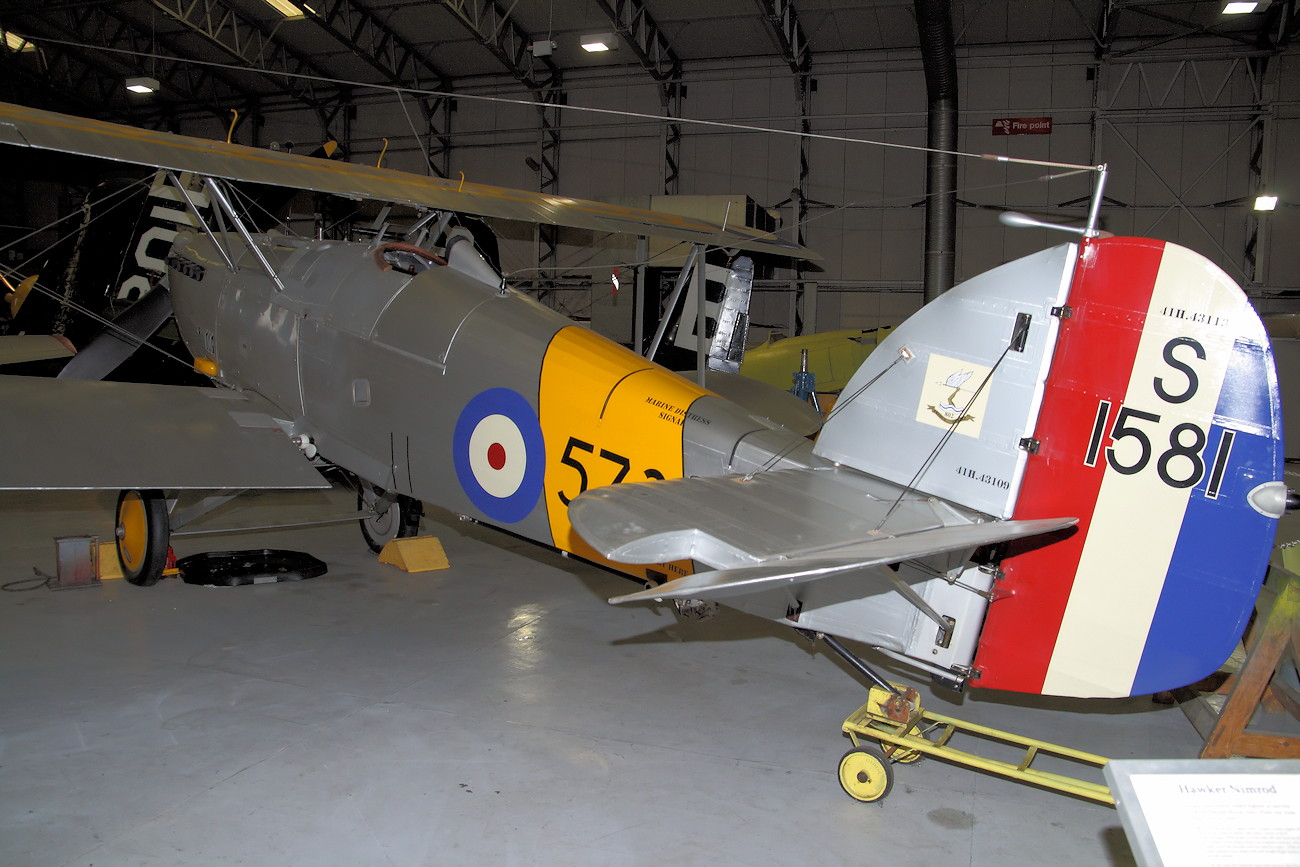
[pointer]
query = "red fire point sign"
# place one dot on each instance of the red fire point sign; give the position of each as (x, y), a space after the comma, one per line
(1022, 126)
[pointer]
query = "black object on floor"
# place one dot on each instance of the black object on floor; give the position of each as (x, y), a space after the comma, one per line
(234, 568)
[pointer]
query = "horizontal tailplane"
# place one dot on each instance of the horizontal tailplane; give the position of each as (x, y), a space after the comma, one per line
(884, 551)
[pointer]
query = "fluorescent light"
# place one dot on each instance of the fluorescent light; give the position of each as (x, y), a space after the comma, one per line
(1239, 7)
(1265, 203)
(18, 43)
(285, 8)
(594, 42)
(143, 84)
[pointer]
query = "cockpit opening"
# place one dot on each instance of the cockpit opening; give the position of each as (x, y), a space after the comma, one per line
(406, 258)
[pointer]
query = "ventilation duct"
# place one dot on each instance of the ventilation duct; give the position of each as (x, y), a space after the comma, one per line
(934, 21)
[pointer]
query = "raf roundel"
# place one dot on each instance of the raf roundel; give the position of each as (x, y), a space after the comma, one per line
(500, 454)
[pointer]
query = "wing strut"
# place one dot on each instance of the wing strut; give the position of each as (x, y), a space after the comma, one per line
(667, 316)
(906, 591)
(220, 195)
(198, 215)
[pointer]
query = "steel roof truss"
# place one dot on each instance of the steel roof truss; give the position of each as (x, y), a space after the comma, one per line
(641, 32)
(496, 31)
(249, 43)
(783, 20)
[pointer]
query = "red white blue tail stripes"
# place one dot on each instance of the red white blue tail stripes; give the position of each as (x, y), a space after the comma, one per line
(1220, 539)
(1160, 418)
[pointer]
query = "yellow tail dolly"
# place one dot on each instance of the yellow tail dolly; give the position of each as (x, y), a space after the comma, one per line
(906, 732)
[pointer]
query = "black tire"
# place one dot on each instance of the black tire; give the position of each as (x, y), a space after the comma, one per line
(865, 774)
(400, 520)
(143, 536)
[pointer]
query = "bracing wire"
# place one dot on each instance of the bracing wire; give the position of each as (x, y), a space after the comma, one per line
(952, 427)
(110, 204)
(607, 112)
(117, 194)
(840, 404)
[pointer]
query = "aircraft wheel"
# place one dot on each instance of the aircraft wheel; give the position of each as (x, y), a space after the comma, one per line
(865, 774)
(400, 520)
(142, 536)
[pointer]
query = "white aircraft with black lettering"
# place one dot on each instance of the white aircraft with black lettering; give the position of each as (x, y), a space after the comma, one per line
(1062, 477)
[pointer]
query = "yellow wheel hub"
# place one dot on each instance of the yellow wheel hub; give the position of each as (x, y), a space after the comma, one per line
(132, 531)
(864, 776)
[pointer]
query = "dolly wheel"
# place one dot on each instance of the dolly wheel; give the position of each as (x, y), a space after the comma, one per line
(908, 757)
(142, 536)
(865, 774)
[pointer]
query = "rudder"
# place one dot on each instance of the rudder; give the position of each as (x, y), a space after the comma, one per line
(1160, 430)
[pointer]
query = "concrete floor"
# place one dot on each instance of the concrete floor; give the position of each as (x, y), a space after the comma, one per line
(495, 711)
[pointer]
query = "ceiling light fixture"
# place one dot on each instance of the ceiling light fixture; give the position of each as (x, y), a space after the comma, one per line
(1239, 7)
(142, 84)
(1265, 203)
(285, 8)
(595, 42)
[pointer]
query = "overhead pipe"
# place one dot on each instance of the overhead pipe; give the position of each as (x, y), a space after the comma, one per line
(934, 22)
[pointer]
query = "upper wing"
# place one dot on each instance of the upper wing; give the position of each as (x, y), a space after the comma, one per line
(781, 527)
(29, 127)
(72, 435)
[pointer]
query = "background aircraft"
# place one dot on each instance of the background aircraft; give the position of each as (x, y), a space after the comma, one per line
(1059, 522)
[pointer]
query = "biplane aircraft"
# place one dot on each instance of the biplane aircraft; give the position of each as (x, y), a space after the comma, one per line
(1062, 477)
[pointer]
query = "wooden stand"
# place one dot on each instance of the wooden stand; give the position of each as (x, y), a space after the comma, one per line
(1272, 643)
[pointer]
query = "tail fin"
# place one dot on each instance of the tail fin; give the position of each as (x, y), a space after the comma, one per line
(1127, 383)
(1161, 431)
(943, 403)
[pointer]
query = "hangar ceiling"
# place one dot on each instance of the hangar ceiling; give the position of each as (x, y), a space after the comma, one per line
(213, 55)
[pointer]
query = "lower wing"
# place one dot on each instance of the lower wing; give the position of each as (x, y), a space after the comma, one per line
(73, 435)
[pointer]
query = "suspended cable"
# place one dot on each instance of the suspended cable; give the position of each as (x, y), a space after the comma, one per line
(607, 112)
